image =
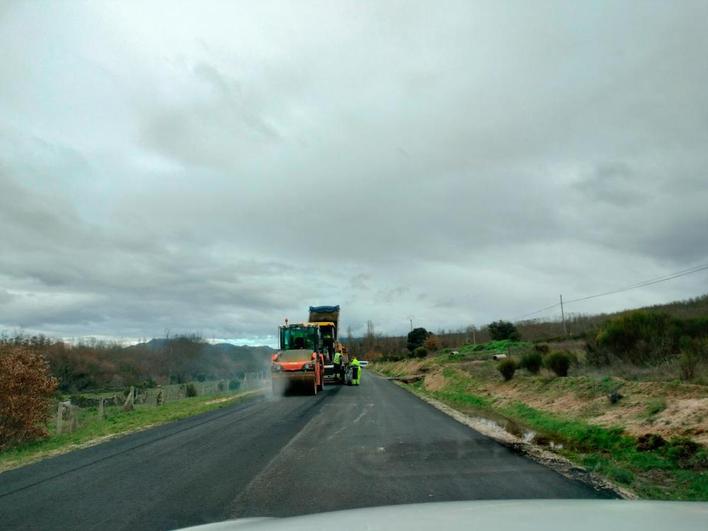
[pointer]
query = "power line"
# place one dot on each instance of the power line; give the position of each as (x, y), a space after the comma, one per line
(644, 283)
(538, 311)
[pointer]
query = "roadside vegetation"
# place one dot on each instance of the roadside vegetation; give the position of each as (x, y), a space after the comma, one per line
(627, 400)
(55, 396)
(93, 429)
(92, 365)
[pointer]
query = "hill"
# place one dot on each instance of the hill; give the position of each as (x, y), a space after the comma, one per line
(174, 360)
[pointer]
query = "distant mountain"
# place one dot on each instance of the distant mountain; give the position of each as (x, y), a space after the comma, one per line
(222, 348)
(190, 358)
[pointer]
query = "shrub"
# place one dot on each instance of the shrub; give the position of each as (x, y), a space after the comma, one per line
(683, 451)
(26, 390)
(692, 350)
(688, 363)
(432, 343)
(190, 390)
(499, 330)
(234, 385)
(647, 337)
(614, 396)
(420, 352)
(416, 338)
(559, 363)
(507, 368)
(542, 349)
(649, 442)
(532, 362)
(596, 355)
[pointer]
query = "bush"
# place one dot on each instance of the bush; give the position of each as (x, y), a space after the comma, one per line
(234, 385)
(26, 391)
(507, 368)
(190, 390)
(416, 338)
(503, 330)
(596, 355)
(683, 451)
(532, 362)
(559, 363)
(432, 343)
(420, 352)
(647, 337)
(542, 349)
(692, 350)
(649, 442)
(614, 396)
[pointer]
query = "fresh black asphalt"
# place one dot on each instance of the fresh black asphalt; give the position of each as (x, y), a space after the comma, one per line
(348, 447)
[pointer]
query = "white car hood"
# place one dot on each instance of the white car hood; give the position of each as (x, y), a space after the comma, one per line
(503, 515)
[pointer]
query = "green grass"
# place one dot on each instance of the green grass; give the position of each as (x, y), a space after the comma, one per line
(484, 350)
(116, 422)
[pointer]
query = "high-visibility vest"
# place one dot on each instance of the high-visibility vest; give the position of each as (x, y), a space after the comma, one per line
(337, 358)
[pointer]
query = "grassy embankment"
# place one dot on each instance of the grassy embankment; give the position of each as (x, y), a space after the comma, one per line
(93, 430)
(576, 414)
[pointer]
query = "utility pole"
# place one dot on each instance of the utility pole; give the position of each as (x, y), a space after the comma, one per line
(410, 318)
(565, 328)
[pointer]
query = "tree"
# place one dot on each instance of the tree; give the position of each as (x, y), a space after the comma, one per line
(416, 338)
(26, 390)
(499, 330)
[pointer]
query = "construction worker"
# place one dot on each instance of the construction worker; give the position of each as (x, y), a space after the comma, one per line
(356, 371)
(338, 373)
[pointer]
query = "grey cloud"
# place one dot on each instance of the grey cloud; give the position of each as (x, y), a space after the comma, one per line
(219, 170)
(614, 183)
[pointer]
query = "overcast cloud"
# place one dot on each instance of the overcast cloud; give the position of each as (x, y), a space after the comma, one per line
(216, 167)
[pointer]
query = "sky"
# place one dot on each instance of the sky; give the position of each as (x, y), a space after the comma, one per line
(216, 167)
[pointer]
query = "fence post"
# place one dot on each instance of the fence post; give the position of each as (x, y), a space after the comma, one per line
(73, 418)
(130, 400)
(60, 417)
(101, 412)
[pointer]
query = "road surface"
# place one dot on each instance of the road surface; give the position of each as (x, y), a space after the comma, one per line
(348, 447)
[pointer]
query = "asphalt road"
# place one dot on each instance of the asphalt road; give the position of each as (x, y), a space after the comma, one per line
(348, 447)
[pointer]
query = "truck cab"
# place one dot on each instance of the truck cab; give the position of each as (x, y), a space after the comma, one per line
(327, 320)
